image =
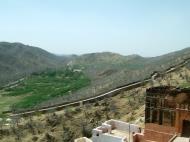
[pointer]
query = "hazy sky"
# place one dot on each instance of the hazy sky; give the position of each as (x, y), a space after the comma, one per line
(145, 27)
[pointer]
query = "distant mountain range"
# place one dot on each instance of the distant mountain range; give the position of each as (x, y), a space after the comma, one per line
(18, 60)
(126, 69)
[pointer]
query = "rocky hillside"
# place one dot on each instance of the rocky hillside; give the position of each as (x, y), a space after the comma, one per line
(106, 70)
(106, 63)
(18, 60)
(109, 70)
(73, 122)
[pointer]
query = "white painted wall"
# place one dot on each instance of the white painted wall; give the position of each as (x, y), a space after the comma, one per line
(83, 139)
(120, 125)
(107, 138)
(103, 132)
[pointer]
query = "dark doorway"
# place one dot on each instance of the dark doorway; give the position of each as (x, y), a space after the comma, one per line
(186, 128)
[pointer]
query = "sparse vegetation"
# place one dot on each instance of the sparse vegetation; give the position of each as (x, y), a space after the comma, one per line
(74, 122)
(104, 70)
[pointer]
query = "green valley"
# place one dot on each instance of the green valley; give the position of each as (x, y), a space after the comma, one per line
(44, 86)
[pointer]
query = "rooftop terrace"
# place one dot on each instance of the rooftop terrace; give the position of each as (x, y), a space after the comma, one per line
(114, 131)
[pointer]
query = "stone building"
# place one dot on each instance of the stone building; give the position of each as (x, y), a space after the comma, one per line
(167, 114)
(167, 119)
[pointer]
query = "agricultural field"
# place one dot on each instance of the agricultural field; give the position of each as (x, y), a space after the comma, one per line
(41, 87)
